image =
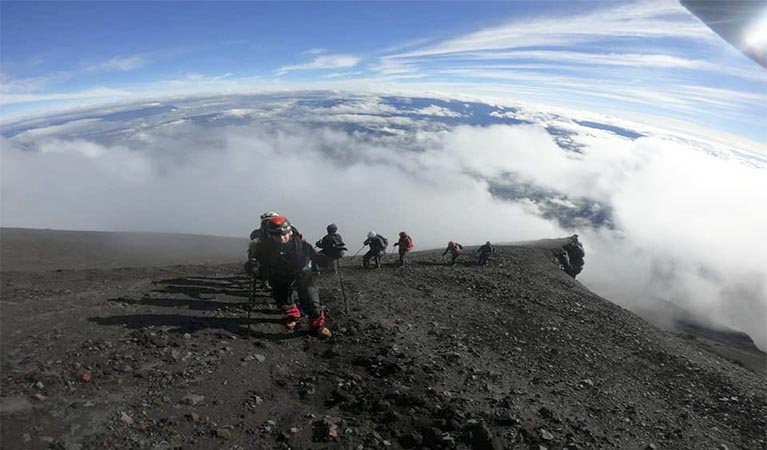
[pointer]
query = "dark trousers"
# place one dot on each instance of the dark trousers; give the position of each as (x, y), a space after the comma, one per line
(483, 258)
(303, 284)
(453, 257)
(370, 255)
(402, 255)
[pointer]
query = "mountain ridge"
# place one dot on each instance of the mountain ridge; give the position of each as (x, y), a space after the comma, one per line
(512, 355)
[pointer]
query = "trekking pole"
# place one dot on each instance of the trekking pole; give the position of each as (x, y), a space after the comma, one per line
(341, 282)
(251, 298)
(358, 251)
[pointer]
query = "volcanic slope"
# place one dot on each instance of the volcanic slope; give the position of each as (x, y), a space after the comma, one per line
(513, 355)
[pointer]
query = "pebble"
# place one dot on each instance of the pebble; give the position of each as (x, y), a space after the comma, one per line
(193, 399)
(545, 435)
(223, 433)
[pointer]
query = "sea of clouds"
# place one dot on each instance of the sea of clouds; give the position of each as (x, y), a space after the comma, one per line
(688, 225)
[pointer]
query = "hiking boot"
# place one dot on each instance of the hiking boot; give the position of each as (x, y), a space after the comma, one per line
(323, 333)
(317, 325)
(291, 323)
(291, 316)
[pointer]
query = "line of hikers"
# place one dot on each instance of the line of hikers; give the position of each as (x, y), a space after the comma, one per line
(280, 257)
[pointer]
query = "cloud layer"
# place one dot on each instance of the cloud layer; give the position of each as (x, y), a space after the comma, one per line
(686, 212)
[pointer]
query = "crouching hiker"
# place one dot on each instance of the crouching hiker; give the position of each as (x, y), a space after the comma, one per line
(455, 250)
(288, 260)
(484, 253)
(377, 245)
(332, 247)
(405, 244)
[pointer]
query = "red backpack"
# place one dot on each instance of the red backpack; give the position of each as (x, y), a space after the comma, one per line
(409, 243)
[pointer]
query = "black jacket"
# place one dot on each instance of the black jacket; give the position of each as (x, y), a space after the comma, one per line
(377, 244)
(331, 244)
(291, 258)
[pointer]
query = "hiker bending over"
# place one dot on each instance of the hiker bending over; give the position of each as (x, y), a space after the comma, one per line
(572, 255)
(253, 267)
(455, 250)
(377, 245)
(405, 244)
(288, 259)
(331, 247)
(484, 253)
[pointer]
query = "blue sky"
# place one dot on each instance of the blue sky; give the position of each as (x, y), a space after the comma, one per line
(643, 59)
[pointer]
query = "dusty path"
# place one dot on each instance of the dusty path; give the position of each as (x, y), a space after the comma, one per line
(512, 355)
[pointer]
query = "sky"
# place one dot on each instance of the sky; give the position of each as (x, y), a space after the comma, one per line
(633, 59)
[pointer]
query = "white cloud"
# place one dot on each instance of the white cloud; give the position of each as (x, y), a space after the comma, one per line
(322, 62)
(119, 64)
(689, 225)
(649, 19)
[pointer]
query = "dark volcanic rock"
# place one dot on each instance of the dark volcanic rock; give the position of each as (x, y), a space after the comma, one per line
(515, 354)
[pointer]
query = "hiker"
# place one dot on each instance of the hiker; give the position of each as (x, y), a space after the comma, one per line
(331, 247)
(455, 250)
(377, 245)
(484, 253)
(287, 259)
(259, 232)
(253, 266)
(405, 244)
(572, 256)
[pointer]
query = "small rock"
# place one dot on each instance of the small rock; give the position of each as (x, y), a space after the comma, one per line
(126, 419)
(327, 429)
(193, 399)
(545, 435)
(85, 376)
(249, 358)
(39, 385)
(724, 447)
(588, 382)
(294, 430)
(193, 416)
(223, 433)
(260, 358)
(187, 336)
(651, 447)
(40, 396)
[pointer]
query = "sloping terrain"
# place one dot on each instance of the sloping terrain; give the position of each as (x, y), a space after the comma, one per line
(512, 355)
(26, 249)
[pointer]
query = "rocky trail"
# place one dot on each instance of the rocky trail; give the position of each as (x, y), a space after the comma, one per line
(513, 355)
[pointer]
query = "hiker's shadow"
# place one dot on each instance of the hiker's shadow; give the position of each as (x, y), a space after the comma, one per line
(190, 324)
(196, 305)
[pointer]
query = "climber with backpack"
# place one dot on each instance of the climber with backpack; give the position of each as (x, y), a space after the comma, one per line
(484, 253)
(287, 259)
(377, 249)
(455, 250)
(405, 244)
(331, 247)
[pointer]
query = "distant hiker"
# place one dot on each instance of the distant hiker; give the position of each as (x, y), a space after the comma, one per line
(331, 247)
(571, 256)
(405, 244)
(377, 245)
(484, 253)
(455, 250)
(288, 258)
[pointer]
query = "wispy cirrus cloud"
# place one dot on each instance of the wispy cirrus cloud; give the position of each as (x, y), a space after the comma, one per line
(118, 64)
(17, 90)
(322, 62)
